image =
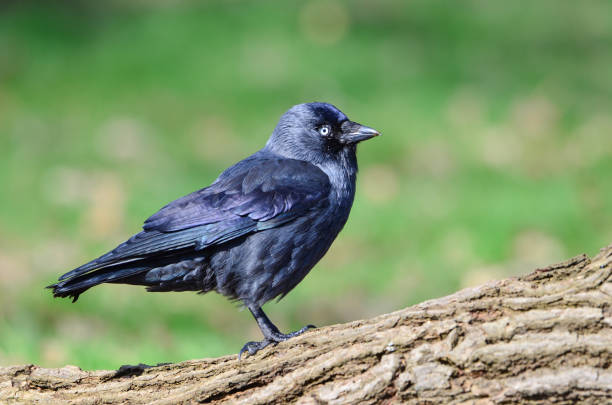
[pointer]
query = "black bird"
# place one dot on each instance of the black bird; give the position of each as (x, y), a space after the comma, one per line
(256, 231)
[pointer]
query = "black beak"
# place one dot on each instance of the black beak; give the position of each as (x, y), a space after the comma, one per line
(354, 132)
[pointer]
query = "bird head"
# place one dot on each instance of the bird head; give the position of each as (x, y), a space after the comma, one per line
(317, 132)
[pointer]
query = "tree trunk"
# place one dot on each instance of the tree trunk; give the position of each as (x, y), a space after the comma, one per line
(542, 338)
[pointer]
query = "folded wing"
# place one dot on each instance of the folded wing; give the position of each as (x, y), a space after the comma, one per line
(257, 193)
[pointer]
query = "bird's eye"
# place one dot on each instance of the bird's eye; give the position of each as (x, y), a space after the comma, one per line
(325, 130)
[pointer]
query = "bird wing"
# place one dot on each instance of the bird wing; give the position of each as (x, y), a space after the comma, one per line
(253, 195)
(260, 189)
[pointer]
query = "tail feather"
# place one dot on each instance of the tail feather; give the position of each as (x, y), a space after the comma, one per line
(164, 274)
(74, 287)
(141, 246)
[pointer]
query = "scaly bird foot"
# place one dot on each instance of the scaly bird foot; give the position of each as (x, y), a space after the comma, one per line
(273, 338)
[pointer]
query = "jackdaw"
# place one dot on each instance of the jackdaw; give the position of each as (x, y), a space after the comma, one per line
(256, 231)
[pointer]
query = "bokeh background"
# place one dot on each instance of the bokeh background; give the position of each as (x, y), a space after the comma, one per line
(495, 156)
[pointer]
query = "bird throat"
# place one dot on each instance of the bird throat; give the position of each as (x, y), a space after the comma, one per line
(342, 171)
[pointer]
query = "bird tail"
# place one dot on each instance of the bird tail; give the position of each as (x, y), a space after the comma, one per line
(75, 286)
(160, 274)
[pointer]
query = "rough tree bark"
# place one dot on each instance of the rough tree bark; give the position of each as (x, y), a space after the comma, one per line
(542, 338)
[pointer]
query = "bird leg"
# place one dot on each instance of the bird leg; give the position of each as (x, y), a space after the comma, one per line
(271, 333)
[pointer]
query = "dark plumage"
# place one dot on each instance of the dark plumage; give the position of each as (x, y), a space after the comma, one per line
(254, 233)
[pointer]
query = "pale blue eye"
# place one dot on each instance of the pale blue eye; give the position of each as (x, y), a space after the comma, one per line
(325, 130)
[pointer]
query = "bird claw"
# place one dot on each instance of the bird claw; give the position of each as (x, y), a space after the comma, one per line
(253, 347)
(299, 332)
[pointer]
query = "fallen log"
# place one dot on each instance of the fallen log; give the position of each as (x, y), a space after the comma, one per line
(541, 338)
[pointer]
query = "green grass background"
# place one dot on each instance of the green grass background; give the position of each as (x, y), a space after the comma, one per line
(495, 156)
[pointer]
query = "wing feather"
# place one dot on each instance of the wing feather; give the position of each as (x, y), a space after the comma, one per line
(257, 193)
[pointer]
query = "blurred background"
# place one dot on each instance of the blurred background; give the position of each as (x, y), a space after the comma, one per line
(495, 156)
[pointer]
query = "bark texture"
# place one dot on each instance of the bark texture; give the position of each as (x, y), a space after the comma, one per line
(542, 338)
